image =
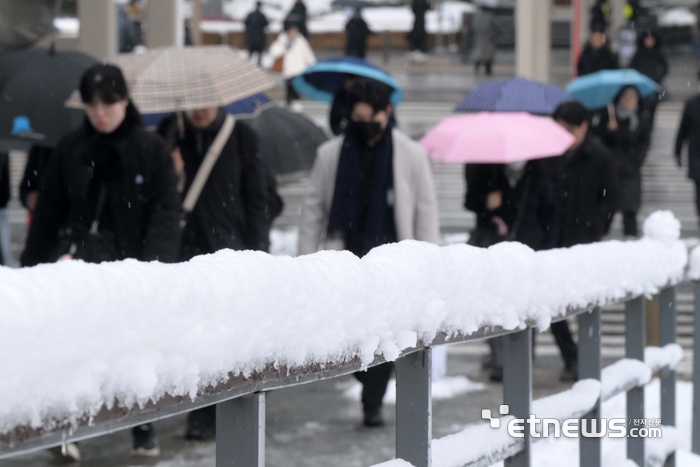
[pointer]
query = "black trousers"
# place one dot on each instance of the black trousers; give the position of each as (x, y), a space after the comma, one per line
(562, 336)
(629, 222)
(374, 382)
(256, 51)
(697, 196)
(292, 94)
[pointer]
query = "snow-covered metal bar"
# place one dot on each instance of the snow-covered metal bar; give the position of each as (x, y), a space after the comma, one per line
(696, 373)
(240, 432)
(152, 340)
(635, 338)
(517, 388)
(414, 423)
(589, 357)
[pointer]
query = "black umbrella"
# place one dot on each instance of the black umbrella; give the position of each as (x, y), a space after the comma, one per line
(357, 4)
(288, 141)
(34, 86)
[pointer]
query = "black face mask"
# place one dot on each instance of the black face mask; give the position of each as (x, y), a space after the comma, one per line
(365, 131)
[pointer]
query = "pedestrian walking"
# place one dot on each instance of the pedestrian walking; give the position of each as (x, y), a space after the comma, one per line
(296, 55)
(514, 202)
(597, 55)
(226, 194)
(109, 193)
(297, 16)
(649, 60)
(357, 32)
(584, 185)
(418, 36)
(624, 128)
(485, 32)
(5, 245)
(255, 36)
(369, 187)
(689, 132)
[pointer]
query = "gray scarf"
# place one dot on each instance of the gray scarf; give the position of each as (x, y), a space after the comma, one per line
(628, 114)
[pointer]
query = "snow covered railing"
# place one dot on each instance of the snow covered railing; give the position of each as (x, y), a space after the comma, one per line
(99, 348)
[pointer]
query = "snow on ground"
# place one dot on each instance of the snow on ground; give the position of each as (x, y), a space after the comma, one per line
(445, 388)
(138, 331)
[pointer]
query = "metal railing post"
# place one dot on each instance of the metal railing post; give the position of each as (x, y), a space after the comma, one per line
(635, 336)
(667, 335)
(414, 424)
(696, 372)
(589, 366)
(517, 387)
(240, 432)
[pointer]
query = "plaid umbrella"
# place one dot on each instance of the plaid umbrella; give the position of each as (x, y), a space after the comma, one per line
(185, 78)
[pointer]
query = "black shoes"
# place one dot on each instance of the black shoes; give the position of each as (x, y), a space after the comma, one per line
(373, 419)
(144, 441)
(570, 372)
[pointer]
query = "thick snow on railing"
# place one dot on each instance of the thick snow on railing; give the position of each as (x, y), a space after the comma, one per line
(79, 336)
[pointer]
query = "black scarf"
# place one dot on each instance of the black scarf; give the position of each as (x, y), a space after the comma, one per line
(345, 217)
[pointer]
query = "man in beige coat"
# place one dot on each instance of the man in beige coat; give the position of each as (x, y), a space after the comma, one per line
(369, 187)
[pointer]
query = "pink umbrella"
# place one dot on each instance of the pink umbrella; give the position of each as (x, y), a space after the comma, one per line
(497, 138)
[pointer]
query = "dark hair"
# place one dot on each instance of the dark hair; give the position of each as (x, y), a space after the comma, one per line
(625, 88)
(373, 93)
(572, 113)
(648, 33)
(107, 83)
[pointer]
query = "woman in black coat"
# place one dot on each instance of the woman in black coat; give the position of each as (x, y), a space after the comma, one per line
(110, 185)
(649, 60)
(626, 132)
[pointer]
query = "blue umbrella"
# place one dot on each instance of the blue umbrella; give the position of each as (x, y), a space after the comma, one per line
(598, 89)
(514, 95)
(243, 107)
(323, 80)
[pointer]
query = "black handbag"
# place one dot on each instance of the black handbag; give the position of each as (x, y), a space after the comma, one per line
(75, 241)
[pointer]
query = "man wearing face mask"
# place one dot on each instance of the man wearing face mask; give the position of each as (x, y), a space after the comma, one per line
(369, 187)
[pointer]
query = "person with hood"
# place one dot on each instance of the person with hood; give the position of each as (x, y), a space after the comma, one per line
(369, 187)
(596, 55)
(109, 193)
(486, 33)
(231, 210)
(357, 32)
(255, 37)
(417, 36)
(297, 16)
(600, 12)
(689, 132)
(624, 128)
(296, 55)
(649, 60)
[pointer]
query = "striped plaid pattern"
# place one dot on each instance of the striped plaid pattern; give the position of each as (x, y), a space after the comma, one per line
(185, 78)
(514, 95)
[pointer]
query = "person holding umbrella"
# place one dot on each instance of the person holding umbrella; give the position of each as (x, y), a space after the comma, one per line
(624, 129)
(109, 193)
(297, 57)
(688, 132)
(255, 37)
(225, 199)
(357, 32)
(367, 188)
(597, 55)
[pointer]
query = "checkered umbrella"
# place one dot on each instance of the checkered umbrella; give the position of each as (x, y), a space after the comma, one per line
(185, 78)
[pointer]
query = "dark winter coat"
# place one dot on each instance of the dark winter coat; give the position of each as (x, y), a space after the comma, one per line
(357, 32)
(142, 208)
(585, 185)
(593, 60)
(689, 131)
(599, 19)
(528, 210)
(650, 62)
(255, 37)
(231, 211)
(37, 161)
(297, 17)
(629, 150)
(4, 180)
(418, 35)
